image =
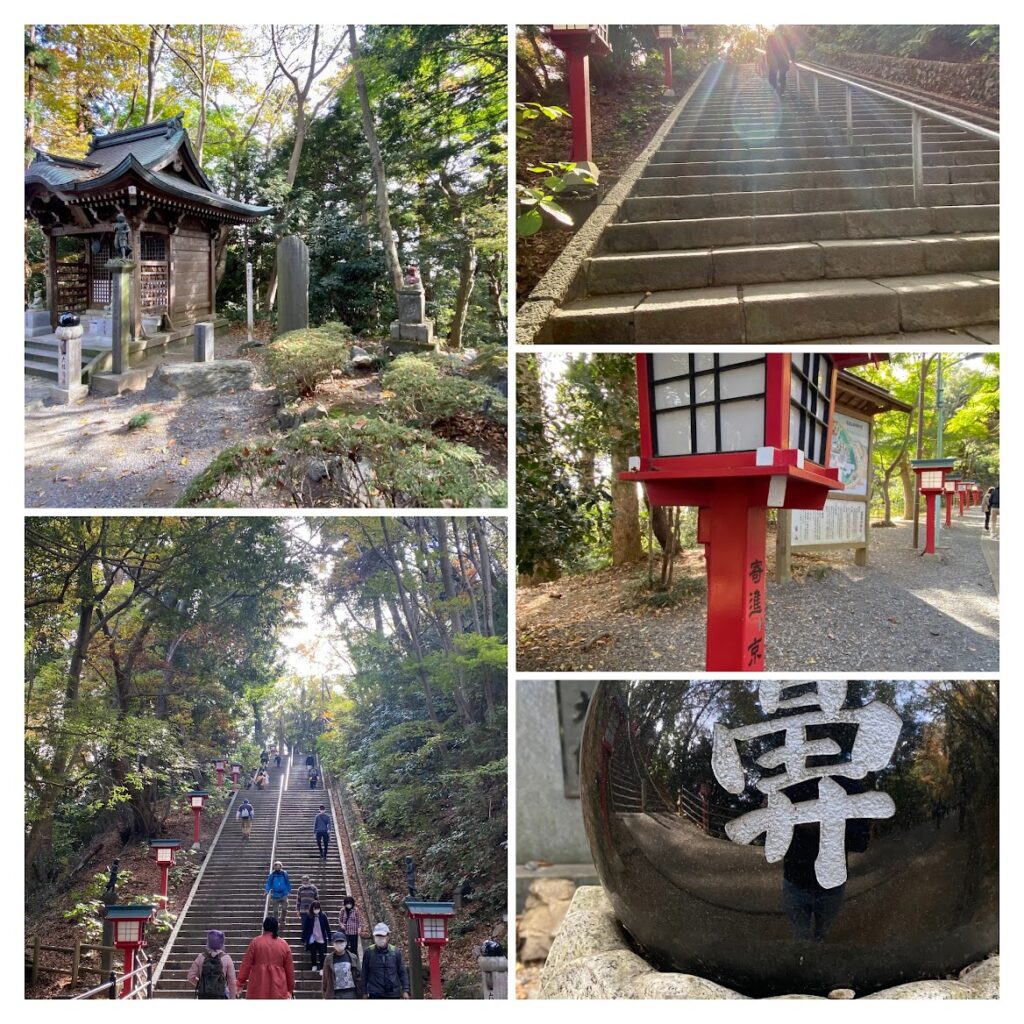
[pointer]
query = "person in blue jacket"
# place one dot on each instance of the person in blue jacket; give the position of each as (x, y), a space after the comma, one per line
(279, 886)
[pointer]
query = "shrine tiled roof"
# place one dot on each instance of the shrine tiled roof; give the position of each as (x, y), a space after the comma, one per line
(149, 150)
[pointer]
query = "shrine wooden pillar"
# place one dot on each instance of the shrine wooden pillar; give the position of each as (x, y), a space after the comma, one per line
(214, 237)
(52, 288)
(136, 321)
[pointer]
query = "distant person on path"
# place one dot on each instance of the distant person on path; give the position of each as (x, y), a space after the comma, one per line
(990, 503)
(279, 886)
(310, 760)
(314, 778)
(384, 973)
(262, 779)
(213, 971)
(777, 53)
(305, 894)
(267, 966)
(245, 814)
(322, 831)
(351, 922)
(264, 758)
(277, 758)
(316, 930)
(341, 974)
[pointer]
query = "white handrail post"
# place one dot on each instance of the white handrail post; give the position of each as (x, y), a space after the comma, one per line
(849, 116)
(917, 156)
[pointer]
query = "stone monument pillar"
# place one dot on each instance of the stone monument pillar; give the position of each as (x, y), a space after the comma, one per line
(69, 386)
(292, 284)
(203, 341)
(412, 325)
(121, 308)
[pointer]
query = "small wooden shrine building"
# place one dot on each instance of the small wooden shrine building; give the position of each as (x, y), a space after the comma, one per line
(152, 176)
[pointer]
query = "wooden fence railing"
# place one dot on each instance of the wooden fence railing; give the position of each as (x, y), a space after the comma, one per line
(35, 945)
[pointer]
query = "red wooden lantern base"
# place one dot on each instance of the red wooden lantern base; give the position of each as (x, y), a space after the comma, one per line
(666, 50)
(949, 509)
(579, 104)
(929, 528)
(164, 868)
(434, 958)
(196, 815)
(129, 966)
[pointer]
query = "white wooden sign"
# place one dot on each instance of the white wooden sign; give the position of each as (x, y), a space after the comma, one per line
(839, 522)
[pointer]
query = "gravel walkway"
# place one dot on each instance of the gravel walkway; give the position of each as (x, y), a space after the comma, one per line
(900, 614)
(82, 456)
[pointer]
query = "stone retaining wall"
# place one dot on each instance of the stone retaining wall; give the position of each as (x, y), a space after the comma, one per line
(977, 84)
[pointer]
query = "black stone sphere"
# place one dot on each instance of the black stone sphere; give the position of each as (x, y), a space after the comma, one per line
(69, 320)
(780, 837)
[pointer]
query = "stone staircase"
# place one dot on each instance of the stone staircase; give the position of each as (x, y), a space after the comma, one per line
(757, 221)
(230, 894)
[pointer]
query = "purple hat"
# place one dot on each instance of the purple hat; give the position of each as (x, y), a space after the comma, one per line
(214, 939)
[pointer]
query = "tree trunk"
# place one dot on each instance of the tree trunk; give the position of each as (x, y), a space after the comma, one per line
(152, 62)
(909, 491)
(467, 278)
(377, 161)
(626, 543)
(532, 36)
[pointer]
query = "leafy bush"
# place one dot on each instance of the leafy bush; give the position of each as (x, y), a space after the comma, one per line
(299, 360)
(423, 393)
(363, 463)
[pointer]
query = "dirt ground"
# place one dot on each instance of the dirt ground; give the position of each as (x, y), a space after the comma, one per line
(901, 613)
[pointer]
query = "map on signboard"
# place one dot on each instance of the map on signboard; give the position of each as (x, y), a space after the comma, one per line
(850, 449)
(839, 522)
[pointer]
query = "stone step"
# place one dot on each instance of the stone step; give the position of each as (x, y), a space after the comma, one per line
(773, 166)
(663, 235)
(781, 313)
(705, 184)
(809, 200)
(796, 261)
(819, 135)
(680, 153)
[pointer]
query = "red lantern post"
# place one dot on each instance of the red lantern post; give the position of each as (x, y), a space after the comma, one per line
(163, 851)
(197, 798)
(667, 40)
(578, 43)
(737, 434)
(220, 765)
(236, 771)
(129, 921)
(961, 494)
(949, 482)
(931, 483)
(432, 921)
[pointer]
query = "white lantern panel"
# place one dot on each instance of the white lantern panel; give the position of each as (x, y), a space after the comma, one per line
(197, 801)
(670, 364)
(433, 928)
(672, 395)
(743, 425)
(674, 433)
(127, 931)
(706, 430)
(741, 382)
(703, 361)
(931, 479)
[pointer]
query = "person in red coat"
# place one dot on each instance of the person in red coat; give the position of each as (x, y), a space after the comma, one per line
(267, 967)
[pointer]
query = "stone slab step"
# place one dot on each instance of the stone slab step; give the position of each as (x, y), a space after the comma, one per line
(803, 200)
(797, 261)
(680, 153)
(707, 184)
(781, 313)
(660, 235)
(760, 165)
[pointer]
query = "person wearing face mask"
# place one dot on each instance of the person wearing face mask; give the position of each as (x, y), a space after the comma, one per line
(315, 932)
(351, 922)
(341, 974)
(384, 974)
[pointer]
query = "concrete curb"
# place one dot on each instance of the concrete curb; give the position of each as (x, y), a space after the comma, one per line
(562, 279)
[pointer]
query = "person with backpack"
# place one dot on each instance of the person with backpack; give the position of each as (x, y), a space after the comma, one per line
(279, 886)
(245, 814)
(267, 967)
(314, 778)
(310, 761)
(264, 758)
(305, 894)
(351, 922)
(316, 930)
(777, 51)
(322, 831)
(213, 971)
(384, 974)
(342, 978)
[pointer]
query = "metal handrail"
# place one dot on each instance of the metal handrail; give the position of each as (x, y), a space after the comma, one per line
(917, 111)
(115, 982)
(277, 822)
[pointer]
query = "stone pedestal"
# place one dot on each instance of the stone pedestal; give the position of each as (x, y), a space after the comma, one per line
(121, 276)
(202, 348)
(591, 959)
(292, 284)
(69, 387)
(37, 323)
(412, 326)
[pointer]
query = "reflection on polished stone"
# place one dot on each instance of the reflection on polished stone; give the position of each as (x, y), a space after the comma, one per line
(798, 837)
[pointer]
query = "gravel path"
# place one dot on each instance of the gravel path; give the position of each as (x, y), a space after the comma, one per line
(900, 614)
(82, 456)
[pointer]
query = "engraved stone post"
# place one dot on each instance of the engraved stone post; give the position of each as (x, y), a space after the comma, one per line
(69, 361)
(412, 324)
(202, 351)
(121, 307)
(292, 284)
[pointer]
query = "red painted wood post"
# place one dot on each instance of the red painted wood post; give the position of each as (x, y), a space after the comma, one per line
(129, 966)
(734, 534)
(948, 500)
(196, 813)
(929, 533)
(434, 953)
(666, 49)
(164, 868)
(579, 104)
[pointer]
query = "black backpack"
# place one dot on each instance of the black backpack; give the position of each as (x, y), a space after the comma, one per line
(212, 982)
